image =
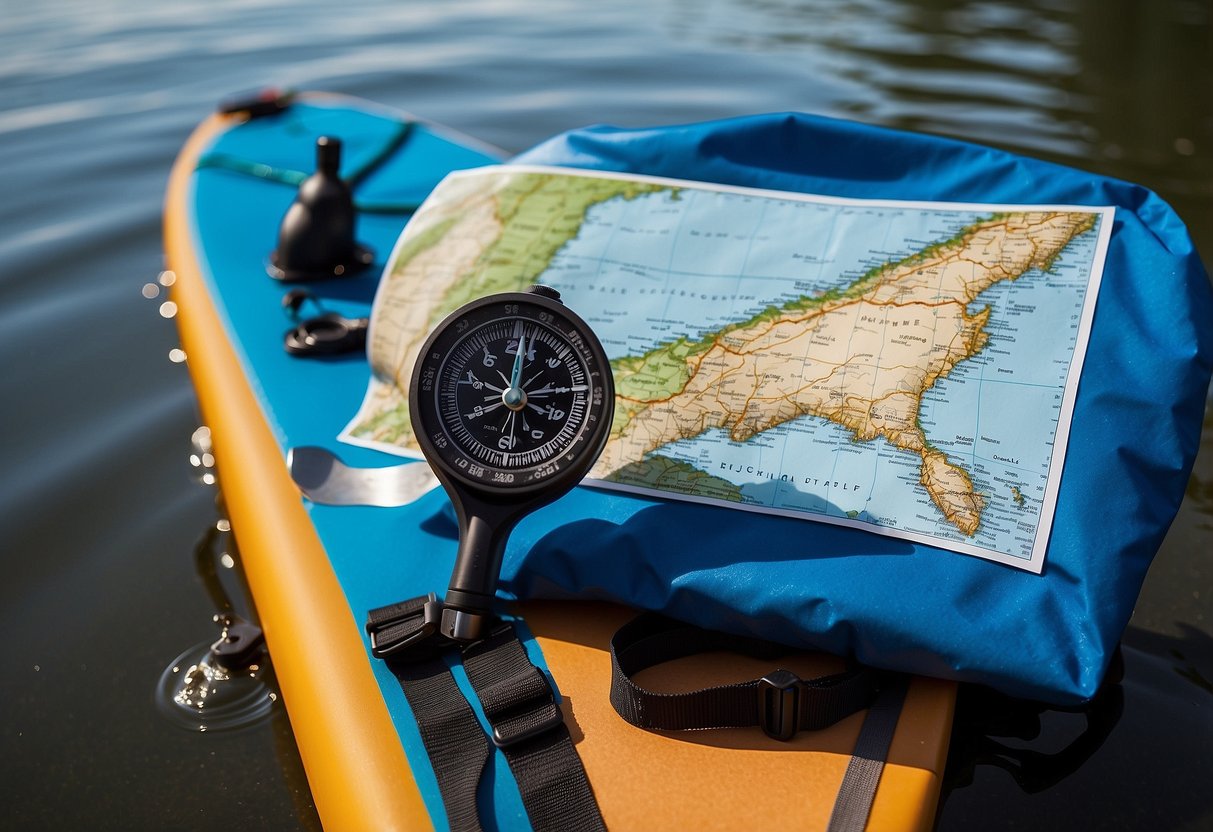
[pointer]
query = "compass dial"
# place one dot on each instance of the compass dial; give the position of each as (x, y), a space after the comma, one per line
(512, 392)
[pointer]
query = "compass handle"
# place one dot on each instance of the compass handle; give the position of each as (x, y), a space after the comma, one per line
(484, 528)
(478, 564)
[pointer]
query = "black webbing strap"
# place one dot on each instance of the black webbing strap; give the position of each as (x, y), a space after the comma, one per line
(451, 733)
(781, 703)
(528, 727)
(519, 703)
(858, 789)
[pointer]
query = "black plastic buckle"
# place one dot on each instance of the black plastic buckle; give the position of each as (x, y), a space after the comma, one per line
(524, 724)
(398, 627)
(521, 721)
(779, 704)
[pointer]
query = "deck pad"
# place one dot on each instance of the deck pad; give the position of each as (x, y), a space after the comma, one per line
(315, 570)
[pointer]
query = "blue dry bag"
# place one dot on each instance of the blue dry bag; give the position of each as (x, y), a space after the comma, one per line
(893, 603)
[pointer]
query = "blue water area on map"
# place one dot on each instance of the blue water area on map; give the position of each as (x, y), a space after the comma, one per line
(693, 263)
(992, 411)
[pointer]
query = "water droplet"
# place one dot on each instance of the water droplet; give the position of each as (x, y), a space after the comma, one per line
(167, 278)
(176, 356)
(227, 560)
(168, 309)
(223, 525)
(150, 290)
(1185, 147)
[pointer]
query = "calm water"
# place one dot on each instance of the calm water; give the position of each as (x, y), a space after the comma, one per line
(98, 513)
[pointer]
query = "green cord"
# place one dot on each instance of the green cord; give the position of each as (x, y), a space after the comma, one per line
(403, 130)
(258, 170)
(293, 178)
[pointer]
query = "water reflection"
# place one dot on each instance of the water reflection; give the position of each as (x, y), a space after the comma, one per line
(991, 730)
(1122, 87)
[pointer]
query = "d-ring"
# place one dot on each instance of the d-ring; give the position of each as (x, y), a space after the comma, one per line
(327, 334)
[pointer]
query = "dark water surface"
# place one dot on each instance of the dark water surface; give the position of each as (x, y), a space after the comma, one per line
(98, 513)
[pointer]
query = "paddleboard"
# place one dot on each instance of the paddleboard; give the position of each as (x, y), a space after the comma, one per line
(315, 570)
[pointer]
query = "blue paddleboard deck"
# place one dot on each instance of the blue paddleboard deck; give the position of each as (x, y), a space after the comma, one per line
(315, 570)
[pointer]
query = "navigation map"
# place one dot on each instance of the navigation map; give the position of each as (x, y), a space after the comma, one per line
(905, 368)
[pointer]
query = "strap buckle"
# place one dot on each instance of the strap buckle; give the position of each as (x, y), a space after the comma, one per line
(399, 627)
(779, 704)
(520, 705)
(530, 722)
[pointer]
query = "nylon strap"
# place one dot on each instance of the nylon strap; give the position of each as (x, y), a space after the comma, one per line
(780, 703)
(452, 736)
(858, 789)
(529, 728)
(525, 719)
(294, 178)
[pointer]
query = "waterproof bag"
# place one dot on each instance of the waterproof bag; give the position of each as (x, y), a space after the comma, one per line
(896, 603)
(1105, 473)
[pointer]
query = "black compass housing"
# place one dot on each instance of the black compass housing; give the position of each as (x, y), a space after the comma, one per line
(511, 401)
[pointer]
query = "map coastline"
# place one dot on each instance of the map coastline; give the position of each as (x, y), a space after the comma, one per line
(862, 354)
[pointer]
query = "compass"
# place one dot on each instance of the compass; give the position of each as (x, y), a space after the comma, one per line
(511, 400)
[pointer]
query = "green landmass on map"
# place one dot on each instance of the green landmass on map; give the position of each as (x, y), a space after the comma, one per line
(539, 213)
(664, 370)
(390, 424)
(531, 216)
(414, 245)
(1018, 497)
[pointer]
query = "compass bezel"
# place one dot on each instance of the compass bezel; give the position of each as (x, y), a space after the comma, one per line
(565, 468)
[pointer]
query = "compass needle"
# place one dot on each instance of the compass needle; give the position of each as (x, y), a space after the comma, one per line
(518, 356)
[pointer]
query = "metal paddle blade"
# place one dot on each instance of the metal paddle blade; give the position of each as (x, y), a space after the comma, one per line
(324, 478)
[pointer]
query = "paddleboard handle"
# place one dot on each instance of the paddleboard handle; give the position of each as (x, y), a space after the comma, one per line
(316, 237)
(258, 104)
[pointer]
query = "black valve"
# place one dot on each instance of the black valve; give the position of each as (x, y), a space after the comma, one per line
(316, 238)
